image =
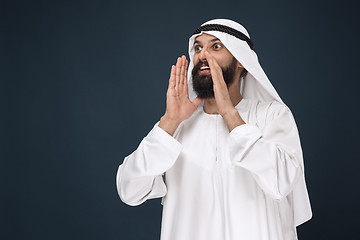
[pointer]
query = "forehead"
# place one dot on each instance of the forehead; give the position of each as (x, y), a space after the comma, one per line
(204, 38)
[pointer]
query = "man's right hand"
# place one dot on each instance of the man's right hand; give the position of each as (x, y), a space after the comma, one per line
(178, 105)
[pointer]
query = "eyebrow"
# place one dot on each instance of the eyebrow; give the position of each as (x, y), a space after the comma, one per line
(212, 40)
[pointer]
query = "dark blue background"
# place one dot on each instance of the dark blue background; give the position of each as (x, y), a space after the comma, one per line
(82, 82)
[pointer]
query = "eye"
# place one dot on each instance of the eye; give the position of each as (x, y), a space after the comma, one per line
(197, 48)
(217, 46)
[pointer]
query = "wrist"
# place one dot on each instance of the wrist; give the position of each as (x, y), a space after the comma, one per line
(168, 125)
(230, 113)
(232, 119)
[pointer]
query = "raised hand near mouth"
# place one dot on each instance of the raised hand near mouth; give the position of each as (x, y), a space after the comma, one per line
(178, 105)
(224, 104)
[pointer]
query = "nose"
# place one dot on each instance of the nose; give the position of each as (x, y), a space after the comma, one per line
(202, 55)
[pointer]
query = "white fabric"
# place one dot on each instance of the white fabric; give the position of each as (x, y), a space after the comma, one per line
(257, 86)
(216, 184)
(247, 184)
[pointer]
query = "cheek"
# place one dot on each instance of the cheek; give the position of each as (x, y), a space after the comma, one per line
(226, 62)
(196, 58)
(220, 58)
(222, 62)
(195, 61)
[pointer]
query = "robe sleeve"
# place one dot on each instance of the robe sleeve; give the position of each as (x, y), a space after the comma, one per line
(140, 176)
(273, 154)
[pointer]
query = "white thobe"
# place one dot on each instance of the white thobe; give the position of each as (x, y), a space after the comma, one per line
(218, 185)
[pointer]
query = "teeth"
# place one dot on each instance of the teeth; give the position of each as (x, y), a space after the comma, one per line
(204, 68)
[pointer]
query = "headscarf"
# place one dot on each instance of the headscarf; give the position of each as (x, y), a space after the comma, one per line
(255, 85)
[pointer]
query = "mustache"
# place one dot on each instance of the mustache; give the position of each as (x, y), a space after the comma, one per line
(198, 65)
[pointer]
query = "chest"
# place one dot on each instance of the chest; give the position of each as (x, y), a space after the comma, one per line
(205, 142)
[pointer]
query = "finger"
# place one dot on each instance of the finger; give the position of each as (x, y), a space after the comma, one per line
(186, 69)
(185, 77)
(215, 69)
(172, 77)
(212, 62)
(178, 70)
(182, 78)
(182, 72)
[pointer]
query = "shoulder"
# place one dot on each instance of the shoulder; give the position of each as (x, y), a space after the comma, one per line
(269, 107)
(273, 109)
(262, 113)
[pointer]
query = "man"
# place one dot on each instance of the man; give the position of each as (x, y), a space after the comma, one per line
(231, 168)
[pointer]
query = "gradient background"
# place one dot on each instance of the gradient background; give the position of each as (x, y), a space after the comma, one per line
(82, 82)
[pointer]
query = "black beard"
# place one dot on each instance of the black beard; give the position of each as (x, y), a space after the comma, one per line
(203, 84)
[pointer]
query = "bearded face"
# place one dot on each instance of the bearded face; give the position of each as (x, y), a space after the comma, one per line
(203, 83)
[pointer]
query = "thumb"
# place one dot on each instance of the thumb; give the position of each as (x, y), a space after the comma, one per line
(197, 101)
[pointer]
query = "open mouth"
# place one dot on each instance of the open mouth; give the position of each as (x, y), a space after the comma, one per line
(203, 68)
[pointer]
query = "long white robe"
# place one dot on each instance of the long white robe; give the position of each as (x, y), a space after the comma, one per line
(218, 185)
